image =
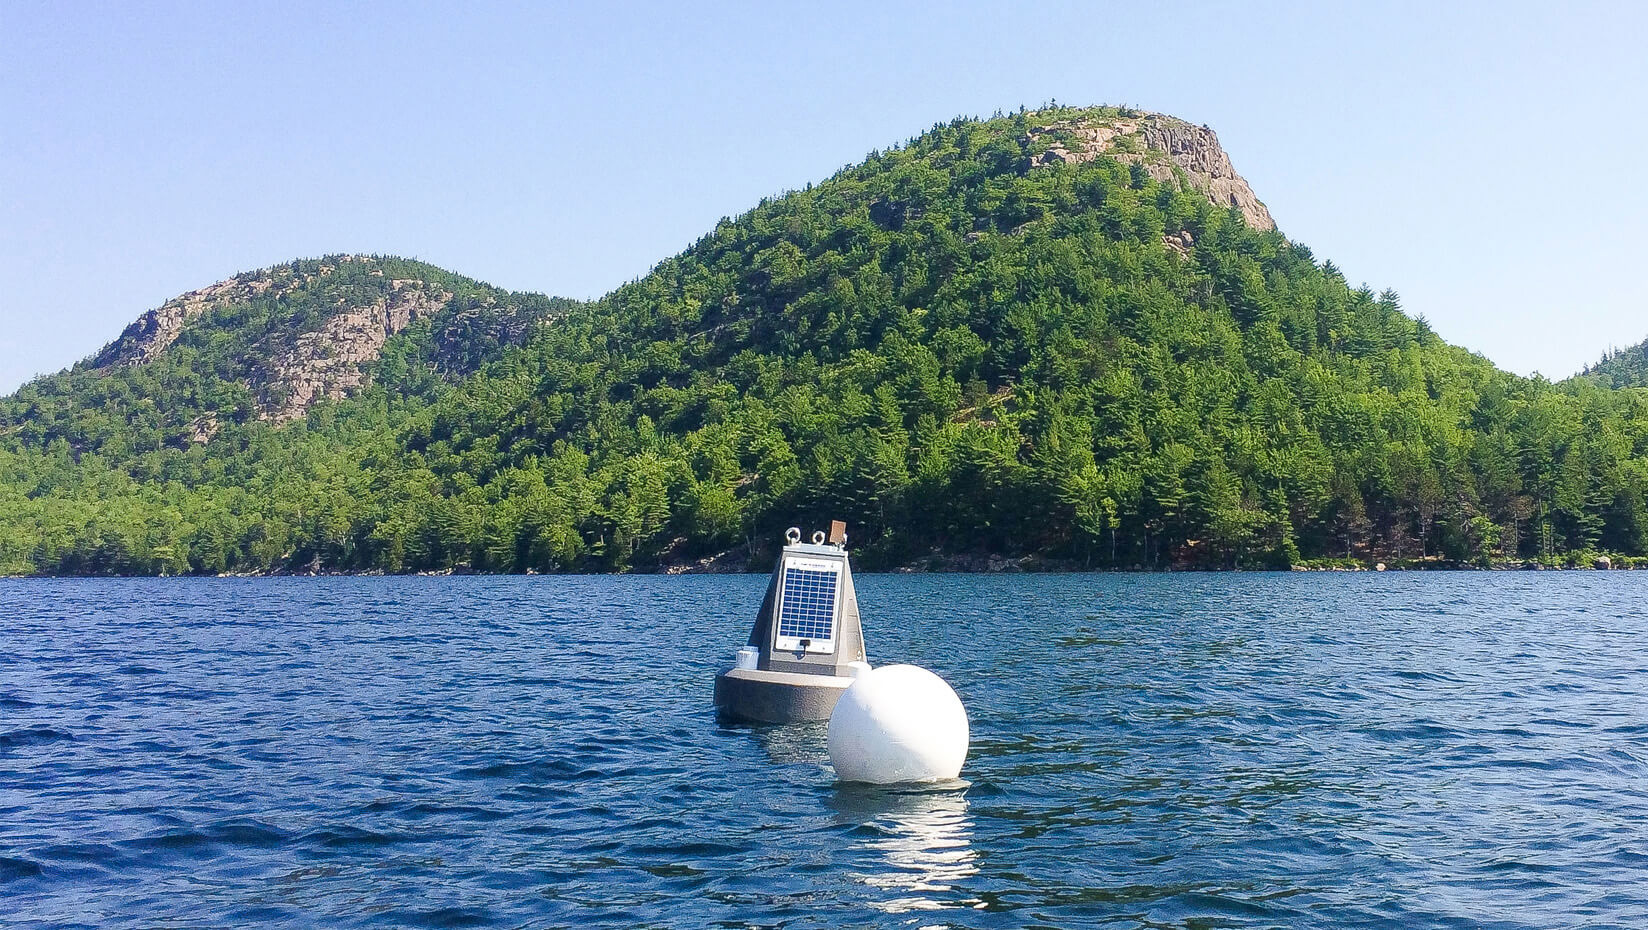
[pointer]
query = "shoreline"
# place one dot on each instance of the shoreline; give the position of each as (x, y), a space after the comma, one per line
(995, 567)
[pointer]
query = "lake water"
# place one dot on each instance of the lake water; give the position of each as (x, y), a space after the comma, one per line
(1323, 750)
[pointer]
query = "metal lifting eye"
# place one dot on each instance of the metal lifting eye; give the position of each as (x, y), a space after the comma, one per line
(818, 537)
(792, 535)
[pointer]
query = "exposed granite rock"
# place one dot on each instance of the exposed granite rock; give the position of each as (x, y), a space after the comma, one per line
(300, 368)
(462, 332)
(156, 330)
(203, 428)
(327, 364)
(1163, 146)
(1179, 243)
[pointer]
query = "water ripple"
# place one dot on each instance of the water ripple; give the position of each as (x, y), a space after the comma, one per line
(1388, 750)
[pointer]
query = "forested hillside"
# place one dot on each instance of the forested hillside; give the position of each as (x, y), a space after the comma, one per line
(1055, 333)
(1623, 368)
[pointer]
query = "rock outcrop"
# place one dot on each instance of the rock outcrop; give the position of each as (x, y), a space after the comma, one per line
(155, 331)
(326, 356)
(151, 334)
(1170, 149)
(327, 364)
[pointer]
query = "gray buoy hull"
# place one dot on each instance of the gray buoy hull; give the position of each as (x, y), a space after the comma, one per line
(761, 696)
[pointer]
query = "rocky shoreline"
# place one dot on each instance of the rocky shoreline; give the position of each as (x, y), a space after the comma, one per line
(740, 561)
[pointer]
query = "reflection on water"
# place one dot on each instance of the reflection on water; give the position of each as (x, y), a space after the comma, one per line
(795, 744)
(922, 835)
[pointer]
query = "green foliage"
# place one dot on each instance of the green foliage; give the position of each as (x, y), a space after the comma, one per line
(950, 349)
(1622, 368)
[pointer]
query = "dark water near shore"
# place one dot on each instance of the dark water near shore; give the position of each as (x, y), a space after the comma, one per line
(1397, 750)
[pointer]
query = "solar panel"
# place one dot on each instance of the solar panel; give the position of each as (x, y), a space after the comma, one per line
(806, 607)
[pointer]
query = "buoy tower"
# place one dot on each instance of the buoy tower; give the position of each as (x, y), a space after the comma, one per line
(806, 645)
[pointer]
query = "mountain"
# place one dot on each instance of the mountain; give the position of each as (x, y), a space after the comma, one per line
(1066, 337)
(269, 345)
(1623, 368)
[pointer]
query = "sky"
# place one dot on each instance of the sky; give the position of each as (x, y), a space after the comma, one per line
(1482, 160)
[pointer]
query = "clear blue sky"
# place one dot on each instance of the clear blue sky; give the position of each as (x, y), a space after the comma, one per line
(1484, 160)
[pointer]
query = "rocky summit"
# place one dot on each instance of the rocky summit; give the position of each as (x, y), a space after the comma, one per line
(1170, 150)
(314, 328)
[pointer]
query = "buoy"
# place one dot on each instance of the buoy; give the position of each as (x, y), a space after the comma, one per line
(898, 723)
(806, 640)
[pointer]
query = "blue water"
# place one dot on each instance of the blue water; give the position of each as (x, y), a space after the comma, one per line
(1394, 750)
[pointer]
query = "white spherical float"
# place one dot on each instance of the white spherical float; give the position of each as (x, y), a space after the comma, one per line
(898, 723)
